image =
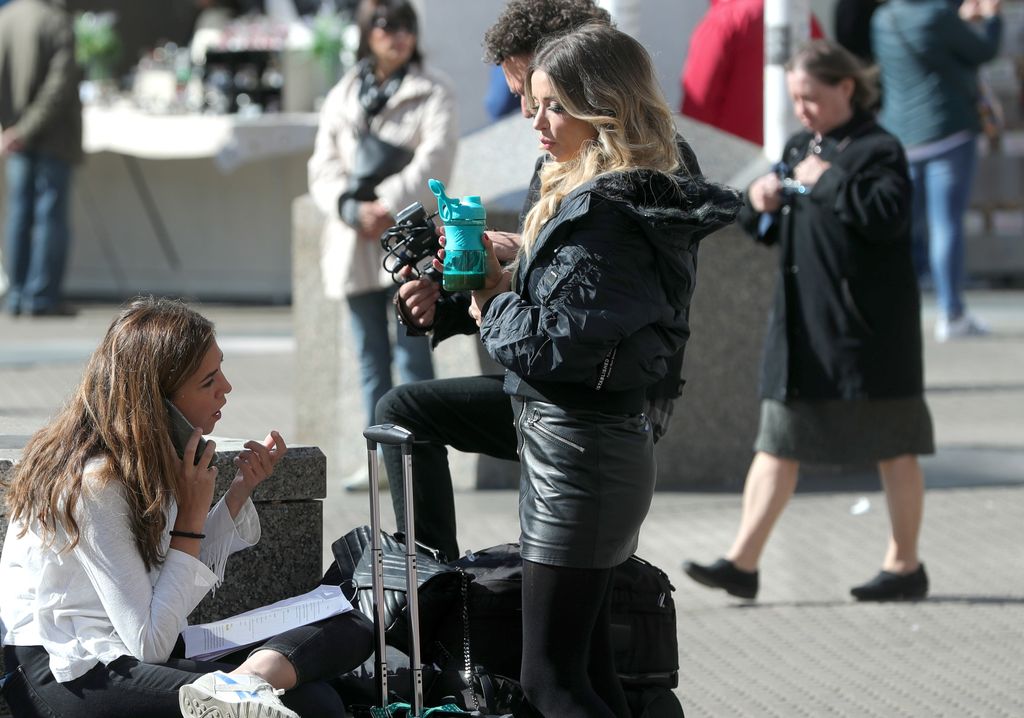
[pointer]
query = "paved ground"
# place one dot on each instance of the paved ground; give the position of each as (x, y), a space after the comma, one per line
(804, 648)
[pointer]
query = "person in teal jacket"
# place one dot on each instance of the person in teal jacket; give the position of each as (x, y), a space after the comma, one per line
(929, 52)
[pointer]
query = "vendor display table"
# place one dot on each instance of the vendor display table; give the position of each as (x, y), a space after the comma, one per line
(188, 205)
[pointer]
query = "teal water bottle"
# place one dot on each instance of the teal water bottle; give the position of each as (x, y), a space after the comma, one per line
(465, 260)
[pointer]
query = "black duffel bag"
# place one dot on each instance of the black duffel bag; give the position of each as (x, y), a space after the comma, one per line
(643, 616)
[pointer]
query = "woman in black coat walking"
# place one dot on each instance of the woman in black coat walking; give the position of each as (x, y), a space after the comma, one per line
(842, 378)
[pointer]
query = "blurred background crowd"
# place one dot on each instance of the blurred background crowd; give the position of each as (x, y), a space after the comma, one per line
(193, 107)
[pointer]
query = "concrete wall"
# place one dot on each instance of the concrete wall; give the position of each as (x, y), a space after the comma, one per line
(453, 32)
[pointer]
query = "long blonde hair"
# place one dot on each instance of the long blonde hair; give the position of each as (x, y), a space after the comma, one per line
(116, 413)
(604, 77)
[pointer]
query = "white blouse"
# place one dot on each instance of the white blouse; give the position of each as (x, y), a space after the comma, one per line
(98, 602)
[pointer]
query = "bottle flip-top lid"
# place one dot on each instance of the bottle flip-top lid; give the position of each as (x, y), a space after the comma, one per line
(454, 209)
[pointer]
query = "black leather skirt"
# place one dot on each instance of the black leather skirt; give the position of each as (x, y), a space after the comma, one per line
(586, 484)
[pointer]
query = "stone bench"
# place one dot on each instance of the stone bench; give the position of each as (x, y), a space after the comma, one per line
(287, 560)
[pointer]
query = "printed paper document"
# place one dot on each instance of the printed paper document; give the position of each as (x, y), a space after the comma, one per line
(208, 641)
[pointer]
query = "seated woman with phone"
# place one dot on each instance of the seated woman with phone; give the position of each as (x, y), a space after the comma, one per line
(112, 543)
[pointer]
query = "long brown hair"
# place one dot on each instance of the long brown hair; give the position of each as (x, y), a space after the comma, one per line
(117, 413)
(604, 77)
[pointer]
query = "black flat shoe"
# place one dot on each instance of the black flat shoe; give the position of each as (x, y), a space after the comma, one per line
(723, 574)
(888, 586)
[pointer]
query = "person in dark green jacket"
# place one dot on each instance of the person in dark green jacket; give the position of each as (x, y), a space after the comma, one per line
(929, 52)
(41, 117)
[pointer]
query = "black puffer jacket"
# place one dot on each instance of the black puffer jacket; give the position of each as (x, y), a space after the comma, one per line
(451, 315)
(602, 302)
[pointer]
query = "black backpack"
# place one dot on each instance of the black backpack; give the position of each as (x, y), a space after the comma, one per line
(644, 626)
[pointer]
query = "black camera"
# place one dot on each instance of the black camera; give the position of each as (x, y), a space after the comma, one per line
(790, 187)
(411, 242)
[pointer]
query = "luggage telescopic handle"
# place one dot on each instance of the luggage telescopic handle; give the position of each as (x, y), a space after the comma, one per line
(390, 434)
(394, 435)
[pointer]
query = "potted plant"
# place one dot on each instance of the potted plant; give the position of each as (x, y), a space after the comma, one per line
(330, 43)
(97, 46)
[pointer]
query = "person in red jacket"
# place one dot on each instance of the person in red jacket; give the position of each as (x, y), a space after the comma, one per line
(722, 77)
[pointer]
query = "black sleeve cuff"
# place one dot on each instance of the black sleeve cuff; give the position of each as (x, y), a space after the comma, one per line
(402, 313)
(348, 210)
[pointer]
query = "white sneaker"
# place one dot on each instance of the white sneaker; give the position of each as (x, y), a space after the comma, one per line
(963, 326)
(234, 695)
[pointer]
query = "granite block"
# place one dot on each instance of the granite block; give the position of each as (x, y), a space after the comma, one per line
(286, 561)
(328, 399)
(714, 422)
(301, 474)
(316, 320)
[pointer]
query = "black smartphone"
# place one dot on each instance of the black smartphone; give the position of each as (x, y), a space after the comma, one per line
(181, 431)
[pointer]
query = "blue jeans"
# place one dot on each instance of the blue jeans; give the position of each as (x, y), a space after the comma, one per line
(942, 191)
(38, 234)
(369, 312)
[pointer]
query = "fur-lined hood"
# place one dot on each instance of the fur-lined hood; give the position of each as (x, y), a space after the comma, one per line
(687, 208)
(676, 212)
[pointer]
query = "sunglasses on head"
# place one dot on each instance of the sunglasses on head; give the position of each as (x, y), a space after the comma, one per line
(391, 26)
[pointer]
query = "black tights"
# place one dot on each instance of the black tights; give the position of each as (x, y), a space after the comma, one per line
(568, 665)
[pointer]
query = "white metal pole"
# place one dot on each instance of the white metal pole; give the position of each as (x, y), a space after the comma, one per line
(625, 14)
(778, 38)
(787, 26)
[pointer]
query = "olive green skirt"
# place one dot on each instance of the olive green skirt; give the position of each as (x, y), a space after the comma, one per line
(845, 432)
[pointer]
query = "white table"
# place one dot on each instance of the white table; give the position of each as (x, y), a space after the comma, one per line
(187, 205)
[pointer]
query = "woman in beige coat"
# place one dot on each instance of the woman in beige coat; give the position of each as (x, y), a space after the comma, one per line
(387, 127)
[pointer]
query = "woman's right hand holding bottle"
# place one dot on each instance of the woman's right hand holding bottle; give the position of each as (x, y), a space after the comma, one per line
(498, 281)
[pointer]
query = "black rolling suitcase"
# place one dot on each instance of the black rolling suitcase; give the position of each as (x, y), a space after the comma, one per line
(391, 434)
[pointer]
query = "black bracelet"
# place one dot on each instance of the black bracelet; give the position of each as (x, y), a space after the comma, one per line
(187, 534)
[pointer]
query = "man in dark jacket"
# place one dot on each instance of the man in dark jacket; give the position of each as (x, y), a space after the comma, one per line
(474, 414)
(41, 117)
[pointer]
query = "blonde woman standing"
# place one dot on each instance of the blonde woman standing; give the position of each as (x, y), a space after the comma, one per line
(595, 305)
